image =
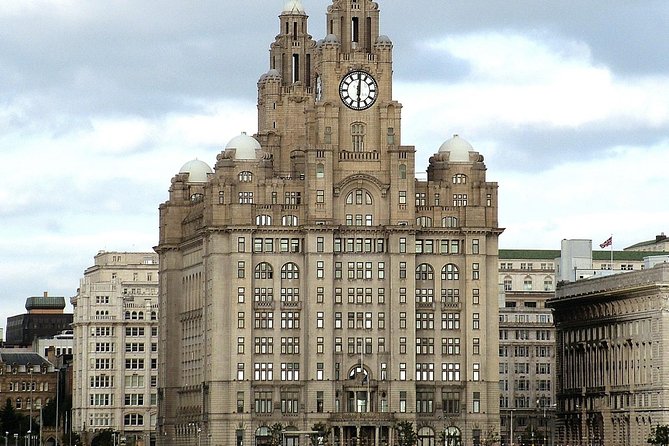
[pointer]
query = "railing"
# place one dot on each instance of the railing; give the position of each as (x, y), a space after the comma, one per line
(359, 156)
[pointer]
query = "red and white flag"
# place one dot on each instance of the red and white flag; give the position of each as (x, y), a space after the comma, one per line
(607, 242)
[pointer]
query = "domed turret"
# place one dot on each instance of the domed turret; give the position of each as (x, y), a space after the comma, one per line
(331, 39)
(245, 147)
(273, 74)
(458, 148)
(384, 40)
(197, 171)
(293, 7)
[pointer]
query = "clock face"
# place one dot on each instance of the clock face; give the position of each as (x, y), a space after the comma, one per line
(358, 90)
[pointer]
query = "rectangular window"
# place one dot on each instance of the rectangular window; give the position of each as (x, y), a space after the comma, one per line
(240, 371)
(320, 196)
(403, 245)
(403, 401)
(476, 402)
(475, 271)
(475, 246)
(241, 269)
(320, 244)
(241, 244)
(402, 197)
(450, 402)
(320, 269)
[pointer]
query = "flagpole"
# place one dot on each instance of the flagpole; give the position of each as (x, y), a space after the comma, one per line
(612, 267)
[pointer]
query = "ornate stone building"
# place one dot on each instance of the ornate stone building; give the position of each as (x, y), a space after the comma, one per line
(115, 360)
(310, 278)
(612, 345)
(28, 381)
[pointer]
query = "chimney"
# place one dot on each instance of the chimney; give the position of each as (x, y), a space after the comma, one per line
(660, 237)
(46, 294)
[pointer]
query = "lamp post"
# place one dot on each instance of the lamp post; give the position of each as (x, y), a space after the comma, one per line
(6, 436)
(30, 429)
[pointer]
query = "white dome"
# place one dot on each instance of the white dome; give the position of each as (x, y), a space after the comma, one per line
(458, 148)
(293, 7)
(384, 40)
(331, 38)
(197, 171)
(273, 74)
(245, 147)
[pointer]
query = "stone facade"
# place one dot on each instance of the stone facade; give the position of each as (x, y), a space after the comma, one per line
(115, 347)
(612, 342)
(309, 278)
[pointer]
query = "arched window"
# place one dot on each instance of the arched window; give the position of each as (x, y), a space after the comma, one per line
(264, 220)
(452, 434)
(290, 271)
(358, 136)
(154, 316)
(19, 403)
(403, 171)
(289, 220)
(359, 196)
(450, 272)
(527, 283)
(263, 434)
(126, 316)
(425, 222)
(424, 272)
(140, 316)
(548, 283)
(425, 434)
(320, 171)
(263, 271)
(245, 177)
(459, 178)
(449, 222)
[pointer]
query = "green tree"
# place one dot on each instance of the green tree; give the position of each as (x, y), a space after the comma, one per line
(276, 433)
(104, 438)
(659, 435)
(12, 421)
(323, 436)
(491, 437)
(406, 434)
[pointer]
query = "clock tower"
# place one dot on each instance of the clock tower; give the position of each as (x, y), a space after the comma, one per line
(310, 284)
(325, 108)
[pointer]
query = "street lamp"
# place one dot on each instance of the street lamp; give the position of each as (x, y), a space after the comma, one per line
(30, 429)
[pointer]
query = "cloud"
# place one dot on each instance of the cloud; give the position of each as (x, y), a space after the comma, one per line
(533, 97)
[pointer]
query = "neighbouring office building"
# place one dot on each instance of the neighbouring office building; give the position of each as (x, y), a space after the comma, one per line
(612, 345)
(114, 379)
(45, 317)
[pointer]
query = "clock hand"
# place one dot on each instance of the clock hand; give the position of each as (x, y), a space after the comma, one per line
(359, 88)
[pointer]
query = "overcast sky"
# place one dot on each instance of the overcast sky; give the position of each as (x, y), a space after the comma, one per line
(102, 101)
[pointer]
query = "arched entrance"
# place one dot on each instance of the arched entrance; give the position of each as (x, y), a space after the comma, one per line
(452, 436)
(425, 436)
